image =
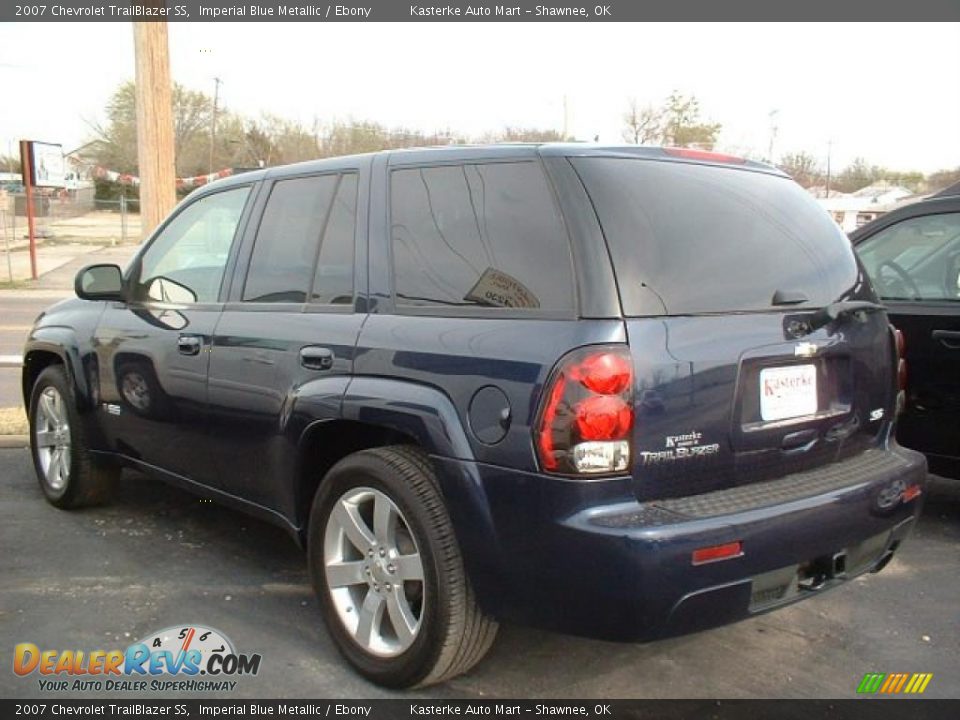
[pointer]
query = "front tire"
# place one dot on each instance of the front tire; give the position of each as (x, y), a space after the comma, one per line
(388, 572)
(68, 474)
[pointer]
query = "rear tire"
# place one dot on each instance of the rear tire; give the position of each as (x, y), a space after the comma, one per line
(388, 572)
(69, 475)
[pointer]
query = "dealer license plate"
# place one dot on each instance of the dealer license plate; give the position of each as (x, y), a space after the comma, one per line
(788, 392)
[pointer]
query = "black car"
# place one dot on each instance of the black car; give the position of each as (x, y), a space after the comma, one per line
(913, 256)
(619, 392)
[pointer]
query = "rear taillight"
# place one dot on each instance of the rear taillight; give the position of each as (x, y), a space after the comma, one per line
(901, 360)
(900, 345)
(586, 414)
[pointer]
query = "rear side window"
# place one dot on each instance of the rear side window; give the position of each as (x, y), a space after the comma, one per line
(479, 236)
(333, 278)
(281, 268)
(690, 239)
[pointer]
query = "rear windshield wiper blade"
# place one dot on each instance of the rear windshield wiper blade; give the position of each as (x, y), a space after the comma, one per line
(837, 310)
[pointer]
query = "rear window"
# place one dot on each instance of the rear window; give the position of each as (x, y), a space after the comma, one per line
(689, 239)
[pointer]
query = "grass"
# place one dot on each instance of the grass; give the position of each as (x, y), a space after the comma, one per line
(13, 421)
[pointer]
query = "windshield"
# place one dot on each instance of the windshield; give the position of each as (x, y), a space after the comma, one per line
(690, 239)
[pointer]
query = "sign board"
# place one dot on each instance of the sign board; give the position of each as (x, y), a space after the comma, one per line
(47, 165)
(496, 288)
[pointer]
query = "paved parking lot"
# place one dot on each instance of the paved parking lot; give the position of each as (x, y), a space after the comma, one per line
(156, 557)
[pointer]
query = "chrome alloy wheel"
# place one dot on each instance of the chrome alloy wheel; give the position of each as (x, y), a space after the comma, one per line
(374, 572)
(52, 438)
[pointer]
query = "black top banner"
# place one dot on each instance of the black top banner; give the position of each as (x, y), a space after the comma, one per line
(859, 11)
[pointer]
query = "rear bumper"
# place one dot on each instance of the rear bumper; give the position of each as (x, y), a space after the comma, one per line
(578, 558)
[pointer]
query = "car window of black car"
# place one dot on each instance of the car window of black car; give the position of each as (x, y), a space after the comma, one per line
(915, 259)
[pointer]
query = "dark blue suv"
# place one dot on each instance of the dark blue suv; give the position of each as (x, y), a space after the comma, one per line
(618, 392)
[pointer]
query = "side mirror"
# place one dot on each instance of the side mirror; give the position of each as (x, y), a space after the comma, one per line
(99, 282)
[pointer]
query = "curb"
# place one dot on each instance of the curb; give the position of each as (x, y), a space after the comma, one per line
(14, 441)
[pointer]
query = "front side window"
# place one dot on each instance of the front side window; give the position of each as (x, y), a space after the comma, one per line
(916, 259)
(185, 263)
(479, 236)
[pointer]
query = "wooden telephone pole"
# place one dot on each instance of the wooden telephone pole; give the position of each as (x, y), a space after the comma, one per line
(155, 147)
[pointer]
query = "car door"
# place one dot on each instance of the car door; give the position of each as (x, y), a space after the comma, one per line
(915, 267)
(283, 348)
(153, 349)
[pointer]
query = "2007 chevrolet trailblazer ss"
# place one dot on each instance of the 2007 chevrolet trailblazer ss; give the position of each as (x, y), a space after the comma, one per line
(618, 392)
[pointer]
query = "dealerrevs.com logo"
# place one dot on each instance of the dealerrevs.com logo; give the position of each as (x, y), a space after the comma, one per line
(186, 658)
(894, 683)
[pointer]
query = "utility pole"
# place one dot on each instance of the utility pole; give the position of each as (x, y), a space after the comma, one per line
(773, 135)
(155, 146)
(829, 150)
(213, 124)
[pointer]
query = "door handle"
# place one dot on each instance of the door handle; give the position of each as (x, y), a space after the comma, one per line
(189, 345)
(313, 357)
(948, 338)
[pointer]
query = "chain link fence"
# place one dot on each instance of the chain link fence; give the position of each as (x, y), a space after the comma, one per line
(73, 216)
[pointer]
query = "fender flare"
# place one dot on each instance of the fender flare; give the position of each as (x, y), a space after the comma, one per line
(61, 341)
(420, 411)
(430, 417)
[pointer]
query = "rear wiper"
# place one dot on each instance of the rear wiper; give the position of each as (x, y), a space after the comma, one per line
(837, 310)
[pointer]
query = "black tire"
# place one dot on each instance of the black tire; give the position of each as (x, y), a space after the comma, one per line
(454, 633)
(88, 482)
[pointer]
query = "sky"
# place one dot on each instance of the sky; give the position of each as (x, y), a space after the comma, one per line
(884, 92)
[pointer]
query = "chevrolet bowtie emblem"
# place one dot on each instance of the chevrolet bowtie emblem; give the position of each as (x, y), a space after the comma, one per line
(805, 349)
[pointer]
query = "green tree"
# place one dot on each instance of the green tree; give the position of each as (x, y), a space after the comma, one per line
(942, 179)
(115, 145)
(9, 164)
(910, 179)
(858, 175)
(676, 122)
(683, 126)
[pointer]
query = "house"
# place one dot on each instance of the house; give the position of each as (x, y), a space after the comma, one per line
(851, 210)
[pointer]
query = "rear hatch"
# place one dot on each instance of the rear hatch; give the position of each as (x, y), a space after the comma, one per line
(724, 272)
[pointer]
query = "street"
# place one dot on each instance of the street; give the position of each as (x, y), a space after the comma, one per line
(20, 307)
(157, 557)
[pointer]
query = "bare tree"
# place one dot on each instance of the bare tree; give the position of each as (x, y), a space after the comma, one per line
(642, 126)
(802, 167)
(523, 134)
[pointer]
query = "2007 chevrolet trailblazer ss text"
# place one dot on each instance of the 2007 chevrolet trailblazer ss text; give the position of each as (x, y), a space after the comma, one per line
(619, 392)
